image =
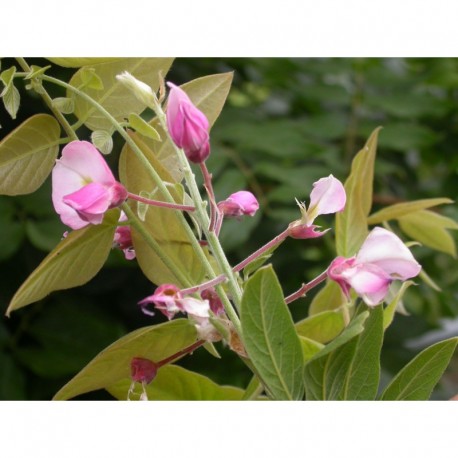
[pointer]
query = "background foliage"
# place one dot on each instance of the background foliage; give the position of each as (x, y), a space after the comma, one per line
(287, 123)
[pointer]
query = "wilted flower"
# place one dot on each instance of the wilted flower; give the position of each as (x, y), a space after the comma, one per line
(142, 370)
(238, 204)
(327, 196)
(166, 298)
(83, 186)
(383, 257)
(187, 125)
(123, 239)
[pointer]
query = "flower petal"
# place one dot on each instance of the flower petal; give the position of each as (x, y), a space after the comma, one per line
(327, 196)
(387, 251)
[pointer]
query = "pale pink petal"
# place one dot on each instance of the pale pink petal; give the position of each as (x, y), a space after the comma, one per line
(387, 251)
(327, 196)
(92, 198)
(195, 307)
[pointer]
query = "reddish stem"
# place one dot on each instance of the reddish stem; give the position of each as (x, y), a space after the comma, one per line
(203, 286)
(159, 203)
(307, 287)
(183, 352)
(275, 241)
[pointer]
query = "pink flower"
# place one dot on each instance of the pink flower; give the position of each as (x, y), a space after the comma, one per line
(83, 187)
(187, 125)
(383, 257)
(327, 196)
(238, 204)
(166, 298)
(123, 239)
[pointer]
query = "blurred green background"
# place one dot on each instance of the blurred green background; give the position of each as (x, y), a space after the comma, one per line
(287, 123)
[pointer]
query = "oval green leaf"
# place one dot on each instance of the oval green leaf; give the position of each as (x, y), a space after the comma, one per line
(174, 383)
(322, 327)
(269, 336)
(330, 297)
(74, 261)
(28, 154)
(112, 365)
(116, 98)
(416, 381)
(75, 62)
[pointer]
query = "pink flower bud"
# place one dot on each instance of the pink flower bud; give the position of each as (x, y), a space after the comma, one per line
(382, 258)
(142, 370)
(216, 305)
(187, 125)
(83, 186)
(238, 204)
(327, 196)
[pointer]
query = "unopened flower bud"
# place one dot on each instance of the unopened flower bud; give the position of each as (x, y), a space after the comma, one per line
(187, 125)
(238, 204)
(141, 90)
(142, 370)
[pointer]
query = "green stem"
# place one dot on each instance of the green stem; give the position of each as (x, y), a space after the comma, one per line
(60, 117)
(136, 223)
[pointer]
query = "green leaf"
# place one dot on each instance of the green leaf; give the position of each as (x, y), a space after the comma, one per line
(75, 62)
(430, 229)
(400, 210)
(112, 365)
(11, 99)
(310, 347)
(116, 98)
(72, 263)
(102, 140)
(269, 336)
(330, 297)
(390, 309)
(328, 373)
(65, 105)
(416, 381)
(174, 383)
(28, 154)
(7, 77)
(351, 224)
(36, 71)
(322, 327)
(142, 127)
(162, 223)
(90, 79)
(209, 94)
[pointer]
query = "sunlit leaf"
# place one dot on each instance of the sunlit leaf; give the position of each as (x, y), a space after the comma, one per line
(116, 98)
(65, 105)
(112, 365)
(330, 297)
(75, 62)
(415, 382)
(430, 229)
(27, 155)
(322, 327)
(400, 210)
(270, 339)
(174, 383)
(163, 224)
(102, 140)
(142, 127)
(74, 261)
(351, 224)
(310, 347)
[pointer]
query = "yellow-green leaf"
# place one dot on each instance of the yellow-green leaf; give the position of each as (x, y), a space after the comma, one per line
(322, 327)
(116, 98)
(351, 224)
(28, 154)
(112, 365)
(330, 297)
(75, 62)
(400, 210)
(163, 224)
(142, 127)
(310, 347)
(102, 140)
(74, 261)
(174, 383)
(430, 229)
